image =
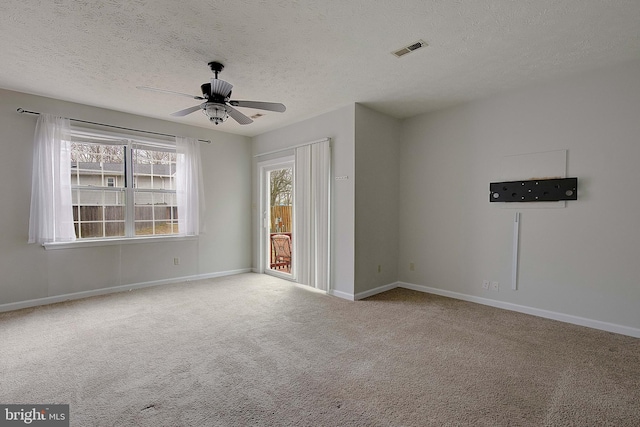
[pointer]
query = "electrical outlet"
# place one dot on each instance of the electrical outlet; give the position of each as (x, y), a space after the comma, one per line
(412, 267)
(485, 285)
(495, 286)
(176, 261)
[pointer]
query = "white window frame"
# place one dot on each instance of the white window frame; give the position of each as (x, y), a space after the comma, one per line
(129, 141)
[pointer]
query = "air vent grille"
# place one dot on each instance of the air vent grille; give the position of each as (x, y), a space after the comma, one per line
(410, 48)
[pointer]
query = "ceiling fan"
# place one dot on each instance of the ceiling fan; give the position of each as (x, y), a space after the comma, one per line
(217, 104)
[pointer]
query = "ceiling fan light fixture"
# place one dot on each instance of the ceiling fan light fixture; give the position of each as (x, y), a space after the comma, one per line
(217, 113)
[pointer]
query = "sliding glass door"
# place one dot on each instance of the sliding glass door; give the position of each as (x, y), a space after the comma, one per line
(277, 218)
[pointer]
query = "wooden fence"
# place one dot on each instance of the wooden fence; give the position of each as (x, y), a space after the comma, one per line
(93, 218)
(281, 219)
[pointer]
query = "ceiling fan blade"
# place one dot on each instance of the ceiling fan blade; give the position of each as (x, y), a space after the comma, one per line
(152, 89)
(270, 106)
(238, 116)
(186, 111)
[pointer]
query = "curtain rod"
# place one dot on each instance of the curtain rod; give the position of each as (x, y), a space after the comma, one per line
(292, 147)
(23, 111)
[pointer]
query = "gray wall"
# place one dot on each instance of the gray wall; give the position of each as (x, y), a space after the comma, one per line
(31, 272)
(377, 173)
(339, 126)
(364, 219)
(581, 260)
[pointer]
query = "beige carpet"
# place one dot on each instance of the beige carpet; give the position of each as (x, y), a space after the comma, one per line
(255, 350)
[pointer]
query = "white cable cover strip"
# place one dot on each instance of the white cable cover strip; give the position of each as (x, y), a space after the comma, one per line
(516, 235)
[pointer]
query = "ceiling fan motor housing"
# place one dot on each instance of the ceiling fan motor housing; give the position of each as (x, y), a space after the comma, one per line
(206, 90)
(216, 90)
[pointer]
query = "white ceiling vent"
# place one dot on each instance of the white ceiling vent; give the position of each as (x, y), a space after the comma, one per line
(408, 49)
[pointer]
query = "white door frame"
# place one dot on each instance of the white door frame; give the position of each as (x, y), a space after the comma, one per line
(264, 215)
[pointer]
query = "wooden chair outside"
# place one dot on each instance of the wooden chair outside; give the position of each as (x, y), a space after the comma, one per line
(281, 252)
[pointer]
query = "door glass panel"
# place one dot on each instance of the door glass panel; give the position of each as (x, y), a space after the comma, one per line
(280, 219)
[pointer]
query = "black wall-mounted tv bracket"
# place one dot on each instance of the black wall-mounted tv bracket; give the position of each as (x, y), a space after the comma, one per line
(534, 190)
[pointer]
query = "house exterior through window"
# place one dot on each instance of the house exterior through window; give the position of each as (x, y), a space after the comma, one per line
(106, 204)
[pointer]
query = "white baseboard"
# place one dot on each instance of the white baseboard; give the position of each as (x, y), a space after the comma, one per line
(214, 275)
(121, 288)
(361, 295)
(567, 318)
(379, 289)
(340, 294)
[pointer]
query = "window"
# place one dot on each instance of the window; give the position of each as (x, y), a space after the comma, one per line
(106, 203)
(154, 172)
(90, 184)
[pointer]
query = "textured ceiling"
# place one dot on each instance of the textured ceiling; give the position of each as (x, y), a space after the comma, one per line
(312, 55)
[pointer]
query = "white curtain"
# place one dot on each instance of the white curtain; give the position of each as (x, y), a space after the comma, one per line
(189, 186)
(51, 214)
(311, 210)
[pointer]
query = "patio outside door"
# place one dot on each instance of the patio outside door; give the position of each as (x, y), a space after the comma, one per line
(277, 218)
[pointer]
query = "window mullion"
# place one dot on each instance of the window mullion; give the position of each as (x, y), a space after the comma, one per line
(129, 227)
